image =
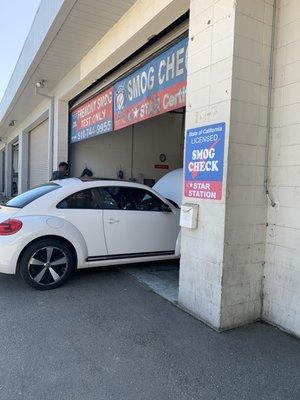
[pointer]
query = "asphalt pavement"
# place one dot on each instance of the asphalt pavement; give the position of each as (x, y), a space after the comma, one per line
(106, 336)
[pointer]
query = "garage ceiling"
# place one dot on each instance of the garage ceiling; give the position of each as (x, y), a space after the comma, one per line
(75, 27)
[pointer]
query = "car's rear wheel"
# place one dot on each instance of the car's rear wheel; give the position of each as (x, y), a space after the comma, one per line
(46, 264)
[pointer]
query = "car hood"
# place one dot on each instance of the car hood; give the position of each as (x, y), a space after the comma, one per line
(7, 212)
(171, 186)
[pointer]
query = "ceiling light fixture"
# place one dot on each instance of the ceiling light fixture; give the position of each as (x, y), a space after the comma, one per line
(41, 83)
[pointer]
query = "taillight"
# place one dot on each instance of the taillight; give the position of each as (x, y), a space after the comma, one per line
(10, 227)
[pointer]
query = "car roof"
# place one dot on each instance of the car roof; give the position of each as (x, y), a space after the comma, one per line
(92, 179)
(78, 181)
(82, 183)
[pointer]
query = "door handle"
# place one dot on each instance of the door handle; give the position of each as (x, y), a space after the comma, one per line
(113, 221)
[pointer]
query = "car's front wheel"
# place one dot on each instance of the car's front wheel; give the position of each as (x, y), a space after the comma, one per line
(46, 264)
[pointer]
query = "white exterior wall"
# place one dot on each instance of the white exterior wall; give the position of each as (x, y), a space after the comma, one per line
(246, 205)
(282, 270)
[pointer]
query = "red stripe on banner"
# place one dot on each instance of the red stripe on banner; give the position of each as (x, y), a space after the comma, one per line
(203, 190)
(159, 103)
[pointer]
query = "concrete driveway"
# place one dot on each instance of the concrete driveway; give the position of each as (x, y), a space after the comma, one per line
(105, 336)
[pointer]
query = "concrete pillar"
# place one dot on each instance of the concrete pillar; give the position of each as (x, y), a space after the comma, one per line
(61, 138)
(8, 170)
(23, 183)
(51, 138)
(228, 77)
(2, 158)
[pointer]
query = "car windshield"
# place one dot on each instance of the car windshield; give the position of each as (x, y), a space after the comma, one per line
(25, 198)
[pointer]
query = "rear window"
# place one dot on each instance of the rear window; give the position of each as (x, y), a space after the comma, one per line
(26, 198)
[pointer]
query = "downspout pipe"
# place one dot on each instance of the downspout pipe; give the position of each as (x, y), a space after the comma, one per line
(51, 130)
(269, 109)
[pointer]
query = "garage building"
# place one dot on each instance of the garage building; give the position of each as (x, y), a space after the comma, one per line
(233, 126)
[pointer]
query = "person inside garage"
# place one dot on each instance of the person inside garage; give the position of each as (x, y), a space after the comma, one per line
(62, 172)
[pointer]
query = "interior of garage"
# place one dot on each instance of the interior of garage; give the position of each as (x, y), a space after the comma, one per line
(143, 152)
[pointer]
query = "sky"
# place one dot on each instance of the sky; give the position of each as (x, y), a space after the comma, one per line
(16, 17)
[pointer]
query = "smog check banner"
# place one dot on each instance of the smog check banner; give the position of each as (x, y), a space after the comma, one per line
(204, 158)
(157, 87)
(92, 118)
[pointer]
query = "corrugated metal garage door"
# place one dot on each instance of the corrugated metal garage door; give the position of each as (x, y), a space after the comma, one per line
(38, 155)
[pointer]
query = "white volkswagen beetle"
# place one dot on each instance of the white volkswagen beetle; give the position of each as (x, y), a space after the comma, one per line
(51, 230)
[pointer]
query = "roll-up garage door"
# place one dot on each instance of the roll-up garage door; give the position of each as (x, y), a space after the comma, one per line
(38, 155)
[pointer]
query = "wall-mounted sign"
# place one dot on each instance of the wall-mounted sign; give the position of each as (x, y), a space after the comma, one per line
(93, 117)
(157, 87)
(204, 156)
(161, 166)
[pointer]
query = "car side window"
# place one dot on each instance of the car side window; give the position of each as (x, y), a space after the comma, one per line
(106, 201)
(87, 199)
(135, 199)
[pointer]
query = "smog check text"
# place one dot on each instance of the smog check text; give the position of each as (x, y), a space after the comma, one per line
(203, 160)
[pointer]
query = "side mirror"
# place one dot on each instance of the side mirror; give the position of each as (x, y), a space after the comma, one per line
(166, 208)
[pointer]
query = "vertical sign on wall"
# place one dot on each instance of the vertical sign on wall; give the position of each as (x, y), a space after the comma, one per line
(204, 156)
(93, 117)
(155, 88)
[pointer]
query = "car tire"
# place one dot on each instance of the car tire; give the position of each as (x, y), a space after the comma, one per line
(46, 264)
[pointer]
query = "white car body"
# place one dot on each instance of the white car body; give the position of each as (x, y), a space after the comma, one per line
(99, 237)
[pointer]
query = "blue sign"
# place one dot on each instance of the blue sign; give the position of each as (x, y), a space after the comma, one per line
(157, 87)
(204, 158)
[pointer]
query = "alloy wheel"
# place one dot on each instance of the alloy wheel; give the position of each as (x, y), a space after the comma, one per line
(48, 265)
